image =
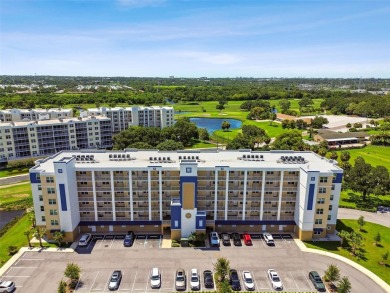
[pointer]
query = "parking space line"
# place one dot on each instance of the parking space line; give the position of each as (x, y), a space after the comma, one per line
(93, 283)
(18, 276)
(294, 281)
(135, 277)
(254, 280)
(311, 286)
(269, 282)
(33, 259)
(78, 282)
(112, 241)
(106, 285)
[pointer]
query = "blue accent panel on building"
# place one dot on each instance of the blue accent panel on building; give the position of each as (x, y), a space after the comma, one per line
(339, 178)
(311, 197)
(200, 217)
(119, 223)
(175, 216)
(34, 178)
(64, 207)
(253, 222)
(187, 179)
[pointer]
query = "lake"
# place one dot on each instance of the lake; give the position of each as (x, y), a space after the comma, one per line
(215, 124)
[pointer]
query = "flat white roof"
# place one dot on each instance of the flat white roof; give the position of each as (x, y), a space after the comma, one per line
(52, 121)
(206, 159)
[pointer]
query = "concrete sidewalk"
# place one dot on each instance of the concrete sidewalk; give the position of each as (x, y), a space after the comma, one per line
(353, 264)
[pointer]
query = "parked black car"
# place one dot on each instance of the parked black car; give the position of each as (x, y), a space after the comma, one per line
(234, 280)
(208, 279)
(129, 239)
(317, 282)
(225, 239)
(236, 239)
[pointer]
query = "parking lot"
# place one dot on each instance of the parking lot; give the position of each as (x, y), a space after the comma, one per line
(41, 271)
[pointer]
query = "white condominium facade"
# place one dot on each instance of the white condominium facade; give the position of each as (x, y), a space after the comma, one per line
(15, 115)
(186, 191)
(24, 139)
(122, 118)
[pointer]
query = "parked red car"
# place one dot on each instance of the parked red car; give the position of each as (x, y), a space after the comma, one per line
(247, 239)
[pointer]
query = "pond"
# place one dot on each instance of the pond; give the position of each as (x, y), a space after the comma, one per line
(215, 124)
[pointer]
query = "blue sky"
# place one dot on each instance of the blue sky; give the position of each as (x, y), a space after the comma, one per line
(216, 38)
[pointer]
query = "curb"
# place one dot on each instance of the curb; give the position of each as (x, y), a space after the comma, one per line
(22, 250)
(351, 263)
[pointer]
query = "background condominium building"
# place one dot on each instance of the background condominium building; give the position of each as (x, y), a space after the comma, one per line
(186, 191)
(25, 139)
(122, 118)
(15, 115)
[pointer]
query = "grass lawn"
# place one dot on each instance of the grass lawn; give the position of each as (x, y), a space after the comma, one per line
(372, 154)
(14, 171)
(203, 145)
(15, 192)
(345, 199)
(371, 254)
(14, 236)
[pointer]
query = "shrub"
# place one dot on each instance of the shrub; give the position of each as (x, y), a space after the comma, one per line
(12, 249)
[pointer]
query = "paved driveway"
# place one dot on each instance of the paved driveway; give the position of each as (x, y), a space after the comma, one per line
(41, 271)
(378, 218)
(14, 179)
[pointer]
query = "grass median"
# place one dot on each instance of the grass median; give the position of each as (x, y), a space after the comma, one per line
(370, 255)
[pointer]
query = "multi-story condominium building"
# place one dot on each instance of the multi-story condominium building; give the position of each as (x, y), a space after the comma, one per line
(25, 139)
(186, 191)
(122, 118)
(15, 115)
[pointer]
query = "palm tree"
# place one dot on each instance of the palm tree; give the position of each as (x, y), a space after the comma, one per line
(344, 285)
(39, 233)
(59, 237)
(31, 216)
(28, 233)
(222, 268)
(332, 273)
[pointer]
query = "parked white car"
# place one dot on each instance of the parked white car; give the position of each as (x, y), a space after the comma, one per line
(85, 239)
(275, 279)
(195, 280)
(268, 239)
(214, 239)
(155, 278)
(7, 286)
(248, 281)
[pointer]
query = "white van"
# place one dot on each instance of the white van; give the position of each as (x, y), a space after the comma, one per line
(85, 239)
(155, 278)
(268, 239)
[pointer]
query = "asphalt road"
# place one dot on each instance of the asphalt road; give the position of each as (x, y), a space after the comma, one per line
(41, 271)
(14, 179)
(378, 218)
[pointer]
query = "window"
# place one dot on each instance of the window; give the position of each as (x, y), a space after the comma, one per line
(331, 197)
(42, 208)
(49, 179)
(313, 178)
(43, 218)
(51, 190)
(330, 207)
(321, 200)
(52, 201)
(54, 222)
(318, 221)
(39, 187)
(320, 211)
(329, 217)
(323, 179)
(53, 212)
(188, 170)
(270, 172)
(322, 190)
(317, 232)
(333, 186)
(40, 197)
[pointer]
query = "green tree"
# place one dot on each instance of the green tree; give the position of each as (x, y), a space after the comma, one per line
(322, 152)
(170, 145)
(59, 237)
(203, 134)
(332, 273)
(72, 271)
(61, 287)
(31, 216)
(225, 125)
(344, 235)
(361, 222)
(39, 233)
(224, 287)
(349, 125)
(318, 122)
(289, 140)
(345, 156)
(344, 285)
(28, 234)
(334, 155)
(358, 177)
(284, 105)
(355, 241)
(222, 268)
(385, 256)
(377, 238)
